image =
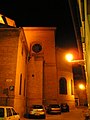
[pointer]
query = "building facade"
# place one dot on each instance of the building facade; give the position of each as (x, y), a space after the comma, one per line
(84, 12)
(32, 69)
(86, 44)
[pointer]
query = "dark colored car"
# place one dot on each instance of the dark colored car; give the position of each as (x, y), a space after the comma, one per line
(53, 109)
(64, 107)
(37, 111)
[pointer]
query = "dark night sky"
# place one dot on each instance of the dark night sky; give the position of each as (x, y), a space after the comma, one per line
(45, 13)
(39, 13)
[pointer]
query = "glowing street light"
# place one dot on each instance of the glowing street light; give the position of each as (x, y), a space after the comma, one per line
(81, 86)
(69, 57)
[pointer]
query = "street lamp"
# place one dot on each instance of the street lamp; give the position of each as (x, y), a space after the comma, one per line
(81, 87)
(69, 57)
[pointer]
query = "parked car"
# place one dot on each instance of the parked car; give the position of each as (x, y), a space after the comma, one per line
(53, 109)
(37, 111)
(8, 112)
(64, 107)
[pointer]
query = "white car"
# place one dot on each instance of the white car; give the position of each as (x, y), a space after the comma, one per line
(37, 111)
(8, 113)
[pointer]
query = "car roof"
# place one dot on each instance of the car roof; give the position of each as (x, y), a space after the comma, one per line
(37, 105)
(54, 105)
(6, 107)
(63, 103)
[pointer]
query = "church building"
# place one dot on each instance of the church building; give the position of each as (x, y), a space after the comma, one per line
(32, 69)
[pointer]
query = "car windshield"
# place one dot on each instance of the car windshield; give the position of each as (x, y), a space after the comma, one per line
(1, 112)
(64, 104)
(37, 106)
(55, 106)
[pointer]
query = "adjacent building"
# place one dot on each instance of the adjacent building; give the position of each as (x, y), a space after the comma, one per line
(81, 21)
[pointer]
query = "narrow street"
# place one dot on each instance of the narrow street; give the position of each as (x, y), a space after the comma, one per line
(76, 114)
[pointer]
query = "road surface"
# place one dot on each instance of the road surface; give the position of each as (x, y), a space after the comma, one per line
(76, 114)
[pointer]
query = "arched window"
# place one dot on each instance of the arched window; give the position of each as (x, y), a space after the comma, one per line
(62, 86)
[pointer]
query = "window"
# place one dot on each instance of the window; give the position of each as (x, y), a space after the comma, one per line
(1, 112)
(9, 113)
(72, 87)
(22, 50)
(13, 111)
(24, 86)
(62, 86)
(20, 84)
(36, 48)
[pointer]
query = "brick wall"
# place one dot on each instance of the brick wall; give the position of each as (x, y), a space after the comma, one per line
(8, 56)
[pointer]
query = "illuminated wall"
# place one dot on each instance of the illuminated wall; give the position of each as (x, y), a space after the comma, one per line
(87, 45)
(13, 60)
(43, 62)
(52, 67)
(64, 70)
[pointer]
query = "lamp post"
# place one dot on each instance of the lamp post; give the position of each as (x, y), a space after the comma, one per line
(69, 57)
